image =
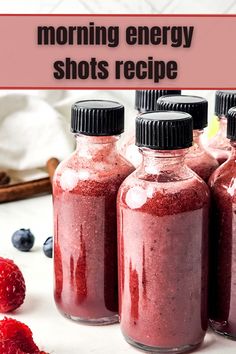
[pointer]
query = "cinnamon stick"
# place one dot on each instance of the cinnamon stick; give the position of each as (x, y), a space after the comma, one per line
(29, 189)
(4, 178)
(51, 167)
(25, 190)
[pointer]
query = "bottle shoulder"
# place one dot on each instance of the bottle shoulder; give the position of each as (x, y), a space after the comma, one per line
(201, 156)
(105, 162)
(223, 180)
(219, 141)
(81, 174)
(203, 164)
(163, 198)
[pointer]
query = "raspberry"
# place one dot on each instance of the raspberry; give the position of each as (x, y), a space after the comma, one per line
(16, 338)
(12, 286)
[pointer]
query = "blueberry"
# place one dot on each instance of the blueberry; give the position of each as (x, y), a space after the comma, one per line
(23, 240)
(47, 247)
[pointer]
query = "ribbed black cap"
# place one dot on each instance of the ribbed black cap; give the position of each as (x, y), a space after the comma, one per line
(231, 124)
(224, 100)
(196, 106)
(146, 100)
(164, 130)
(97, 117)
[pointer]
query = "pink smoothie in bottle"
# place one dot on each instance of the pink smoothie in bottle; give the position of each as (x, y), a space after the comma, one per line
(84, 191)
(219, 146)
(223, 241)
(163, 240)
(197, 158)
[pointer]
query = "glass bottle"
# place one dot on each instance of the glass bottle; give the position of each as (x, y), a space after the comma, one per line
(163, 240)
(85, 188)
(145, 100)
(197, 158)
(223, 241)
(219, 146)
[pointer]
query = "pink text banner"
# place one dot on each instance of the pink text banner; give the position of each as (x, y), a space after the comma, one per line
(117, 51)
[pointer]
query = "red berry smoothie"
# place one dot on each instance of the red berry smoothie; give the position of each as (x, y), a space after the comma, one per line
(163, 254)
(84, 191)
(223, 247)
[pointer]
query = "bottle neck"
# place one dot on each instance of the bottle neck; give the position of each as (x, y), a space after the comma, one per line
(166, 165)
(96, 147)
(197, 137)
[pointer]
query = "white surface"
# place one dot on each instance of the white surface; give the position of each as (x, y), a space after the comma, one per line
(117, 6)
(52, 332)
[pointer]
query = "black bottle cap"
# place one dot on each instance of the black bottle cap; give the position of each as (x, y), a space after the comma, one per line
(97, 117)
(224, 100)
(231, 124)
(164, 130)
(196, 106)
(146, 100)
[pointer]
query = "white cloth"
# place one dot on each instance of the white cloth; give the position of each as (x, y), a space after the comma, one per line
(31, 131)
(35, 126)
